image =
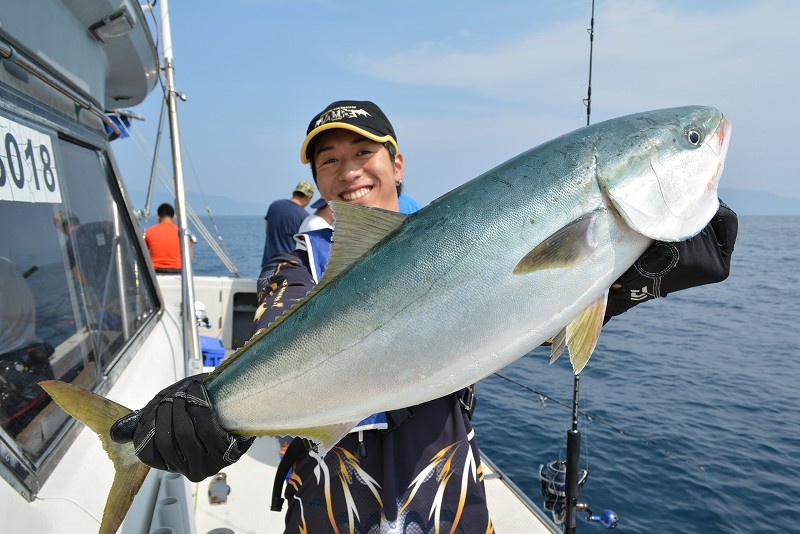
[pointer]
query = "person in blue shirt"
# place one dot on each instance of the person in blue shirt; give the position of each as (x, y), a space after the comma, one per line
(283, 219)
(408, 204)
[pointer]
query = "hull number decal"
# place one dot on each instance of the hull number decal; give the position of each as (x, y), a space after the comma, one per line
(27, 164)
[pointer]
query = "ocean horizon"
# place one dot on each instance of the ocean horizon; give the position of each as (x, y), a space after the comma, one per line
(747, 202)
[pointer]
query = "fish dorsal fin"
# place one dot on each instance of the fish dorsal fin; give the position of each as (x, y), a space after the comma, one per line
(584, 331)
(564, 248)
(357, 229)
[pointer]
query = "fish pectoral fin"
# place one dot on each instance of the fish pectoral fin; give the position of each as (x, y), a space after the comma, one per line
(584, 331)
(563, 248)
(557, 344)
(99, 413)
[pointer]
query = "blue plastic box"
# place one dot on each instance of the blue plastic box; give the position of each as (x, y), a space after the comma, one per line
(213, 351)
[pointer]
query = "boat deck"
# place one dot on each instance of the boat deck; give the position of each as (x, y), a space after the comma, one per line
(250, 479)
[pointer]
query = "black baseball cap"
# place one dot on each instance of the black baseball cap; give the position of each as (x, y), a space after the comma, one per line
(363, 117)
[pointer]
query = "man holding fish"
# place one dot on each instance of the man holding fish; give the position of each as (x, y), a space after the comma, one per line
(552, 243)
(412, 465)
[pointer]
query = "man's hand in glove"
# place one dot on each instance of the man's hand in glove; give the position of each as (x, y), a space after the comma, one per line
(667, 267)
(179, 431)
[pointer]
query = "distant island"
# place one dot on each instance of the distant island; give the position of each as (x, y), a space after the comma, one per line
(750, 202)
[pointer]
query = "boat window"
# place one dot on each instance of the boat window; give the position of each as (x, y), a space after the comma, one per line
(73, 284)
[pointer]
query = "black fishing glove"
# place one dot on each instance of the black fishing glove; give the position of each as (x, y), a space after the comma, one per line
(179, 431)
(668, 267)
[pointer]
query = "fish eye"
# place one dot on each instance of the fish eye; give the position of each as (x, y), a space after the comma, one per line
(693, 136)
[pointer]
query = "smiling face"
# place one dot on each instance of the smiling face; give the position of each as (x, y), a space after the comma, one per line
(352, 168)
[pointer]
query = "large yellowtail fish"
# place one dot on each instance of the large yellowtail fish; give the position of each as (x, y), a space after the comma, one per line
(415, 307)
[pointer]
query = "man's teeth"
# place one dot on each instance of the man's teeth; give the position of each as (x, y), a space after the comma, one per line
(354, 195)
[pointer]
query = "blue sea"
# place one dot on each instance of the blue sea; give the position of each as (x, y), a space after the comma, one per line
(689, 408)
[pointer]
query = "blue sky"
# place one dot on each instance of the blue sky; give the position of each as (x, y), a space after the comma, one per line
(466, 84)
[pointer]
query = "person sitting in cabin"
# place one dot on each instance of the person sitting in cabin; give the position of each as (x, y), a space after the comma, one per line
(24, 358)
(163, 240)
(91, 252)
(383, 474)
(89, 249)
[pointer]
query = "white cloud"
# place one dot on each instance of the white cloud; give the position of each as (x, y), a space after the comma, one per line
(740, 57)
(515, 69)
(469, 88)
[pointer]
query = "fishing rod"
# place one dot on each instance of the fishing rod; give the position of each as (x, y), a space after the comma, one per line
(588, 100)
(562, 482)
(574, 478)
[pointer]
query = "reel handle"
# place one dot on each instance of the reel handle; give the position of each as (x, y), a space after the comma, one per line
(608, 518)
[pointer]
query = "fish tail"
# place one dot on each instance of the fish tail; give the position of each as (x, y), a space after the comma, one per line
(99, 413)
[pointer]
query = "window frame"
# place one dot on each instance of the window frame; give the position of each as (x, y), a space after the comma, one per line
(24, 474)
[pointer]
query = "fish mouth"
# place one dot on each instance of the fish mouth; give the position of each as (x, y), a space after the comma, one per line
(722, 136)
(720, 149)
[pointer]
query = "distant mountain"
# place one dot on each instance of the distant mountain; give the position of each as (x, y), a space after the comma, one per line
(219, 205)
(225, 205)
(750, 202)
(743, 202)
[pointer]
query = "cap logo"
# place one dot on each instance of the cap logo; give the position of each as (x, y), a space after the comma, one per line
(337, 114)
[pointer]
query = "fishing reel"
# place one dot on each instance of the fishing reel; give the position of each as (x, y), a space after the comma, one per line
(552, 479)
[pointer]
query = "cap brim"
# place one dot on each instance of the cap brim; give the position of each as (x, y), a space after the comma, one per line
(343, 126)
